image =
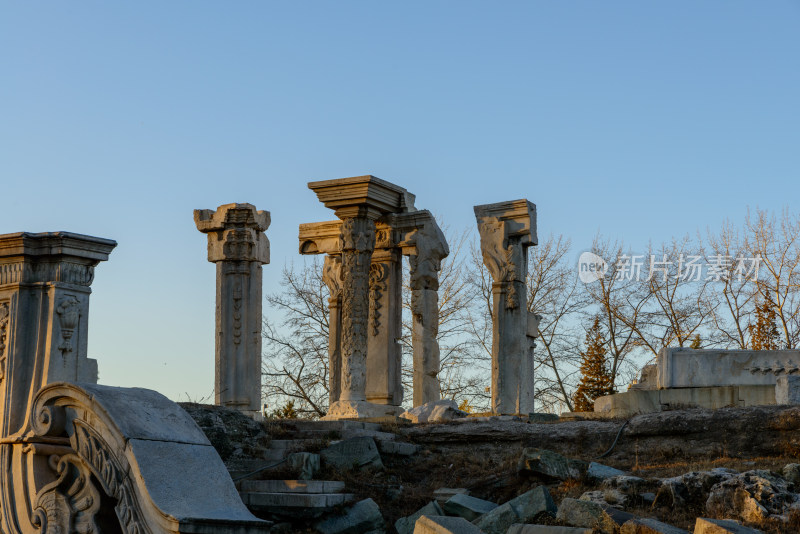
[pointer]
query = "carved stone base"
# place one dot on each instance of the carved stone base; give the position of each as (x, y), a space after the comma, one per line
(360, 410)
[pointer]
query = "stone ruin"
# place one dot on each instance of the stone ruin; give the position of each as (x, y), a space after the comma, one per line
(78, 457)
(704, 378)
(81, 457)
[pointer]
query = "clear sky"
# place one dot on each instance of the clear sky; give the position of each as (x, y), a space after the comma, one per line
(641, 120)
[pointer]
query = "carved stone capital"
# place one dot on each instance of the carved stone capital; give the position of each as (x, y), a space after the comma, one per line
(235, 233)
(332, 275)
(358, 235)
(506, 229)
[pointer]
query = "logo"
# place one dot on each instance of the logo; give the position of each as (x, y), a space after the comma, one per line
(591, 267)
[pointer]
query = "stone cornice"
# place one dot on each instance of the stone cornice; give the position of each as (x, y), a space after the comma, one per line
(362, 197)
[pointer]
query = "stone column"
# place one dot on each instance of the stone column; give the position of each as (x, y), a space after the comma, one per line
(507, 229)
(358, 202)
(358, 242)
(384, 355)
(45, 284)
(425, 264)
(526, 371)
(238, 246)
(332, 277)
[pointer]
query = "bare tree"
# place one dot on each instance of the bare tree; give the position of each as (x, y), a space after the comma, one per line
(621, 302)
(295, 362)
(554, 294)
(776, 242)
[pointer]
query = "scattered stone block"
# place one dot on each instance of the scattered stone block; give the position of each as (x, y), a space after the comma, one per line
(550, 464)
(444, 525)
(546, 529)
(602, 472)
(470, 508)
(606, 497)
(645, 525)
(398, 448)
(721, 526)
(305, 464)
(405, 525)
(292, 486)
(364, 516)
(521, 509)
(586, 514)
(441, 495)
(751, 496)
(434, 412)
(354, 453)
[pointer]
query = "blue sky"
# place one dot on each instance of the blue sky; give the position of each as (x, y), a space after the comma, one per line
(640, 120)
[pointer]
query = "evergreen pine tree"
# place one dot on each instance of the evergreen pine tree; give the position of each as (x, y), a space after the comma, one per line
(764, 334)
(596, 379)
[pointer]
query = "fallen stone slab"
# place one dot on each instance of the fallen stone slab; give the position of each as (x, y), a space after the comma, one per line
(434, 412)
(405, 525)
(547, 529)
(364, 516)
(602, 472)
(704, 525)
(441, 495)
(398, 448)
(428, 524)
(646, 525)
(586, 514)
(354, 453)
(550, 464)
(521, 509)
(469, 508)
(377, 435)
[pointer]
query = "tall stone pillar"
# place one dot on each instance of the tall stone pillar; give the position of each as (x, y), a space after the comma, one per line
(384, 354)
(45, 284)
(238, 246)
(430, 247)
(507, 229)
(332, 277)
(526, 371)
(358, 202)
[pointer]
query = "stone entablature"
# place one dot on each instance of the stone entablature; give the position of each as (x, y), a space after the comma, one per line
(506, 230)
(381, 217)
(238, 246)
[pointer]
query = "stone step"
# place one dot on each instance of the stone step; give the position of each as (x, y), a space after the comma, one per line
(293, 504)
(291, 486)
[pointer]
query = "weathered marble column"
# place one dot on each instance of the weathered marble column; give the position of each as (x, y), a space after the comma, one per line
(238, 246)
(358, 202)
(526, 371)
(507, 229)
(384, 354)
(332, 277)
(425, 262)
(45, 284)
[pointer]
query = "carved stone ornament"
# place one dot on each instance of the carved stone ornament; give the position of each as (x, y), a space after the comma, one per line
(69, 313)
(4, 315)
(378, 273)
(332, 276)
(71, 503)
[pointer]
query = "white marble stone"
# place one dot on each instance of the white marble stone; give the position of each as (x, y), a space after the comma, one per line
(506, 230)
(404, 231)
(238, 246)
